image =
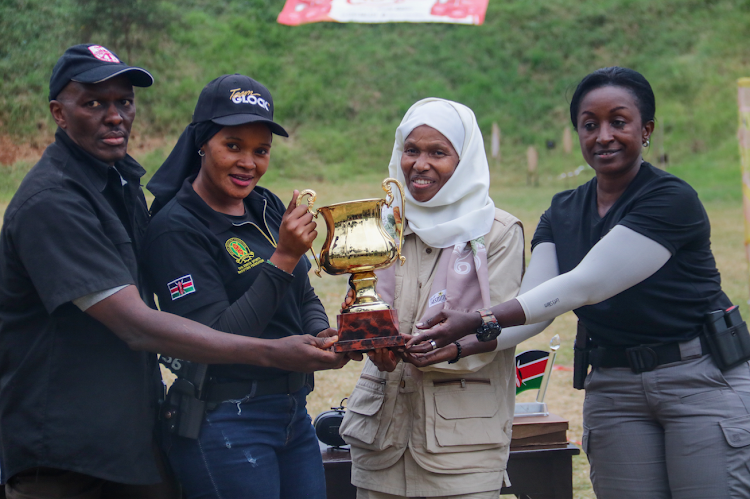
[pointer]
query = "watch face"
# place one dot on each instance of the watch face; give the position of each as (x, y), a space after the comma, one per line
(488, 331)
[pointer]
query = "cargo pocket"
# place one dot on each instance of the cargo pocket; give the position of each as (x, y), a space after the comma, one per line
(466, 419)
(363, 411)
(737, 434)
(736, 431)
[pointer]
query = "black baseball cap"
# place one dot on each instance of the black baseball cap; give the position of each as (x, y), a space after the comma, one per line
(235, 100)
(90, 63)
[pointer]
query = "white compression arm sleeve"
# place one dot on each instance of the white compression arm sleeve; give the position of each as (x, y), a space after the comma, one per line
(620, 260)
(542, 268)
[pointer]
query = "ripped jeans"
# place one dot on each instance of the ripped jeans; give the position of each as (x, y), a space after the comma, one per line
(264, 448)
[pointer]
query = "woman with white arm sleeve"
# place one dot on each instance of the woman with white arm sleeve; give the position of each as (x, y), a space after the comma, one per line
(632, 248)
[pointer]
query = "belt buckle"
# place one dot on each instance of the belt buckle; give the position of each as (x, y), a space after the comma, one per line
(641, 359)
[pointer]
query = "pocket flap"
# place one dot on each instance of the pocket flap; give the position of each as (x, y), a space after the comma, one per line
(462, 404)
(365, 401)
(736, 431)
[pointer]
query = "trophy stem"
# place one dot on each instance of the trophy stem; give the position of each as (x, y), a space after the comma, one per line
(366, 299)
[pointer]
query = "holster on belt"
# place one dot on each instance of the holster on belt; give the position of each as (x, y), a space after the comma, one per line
(193, 393)
(184, 407)
(581, 349)
(728, 337)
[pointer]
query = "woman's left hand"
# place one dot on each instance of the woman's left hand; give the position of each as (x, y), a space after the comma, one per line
(443, 354)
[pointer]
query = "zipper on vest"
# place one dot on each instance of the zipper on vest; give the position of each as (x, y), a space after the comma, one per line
(372, 378)
(461, 381)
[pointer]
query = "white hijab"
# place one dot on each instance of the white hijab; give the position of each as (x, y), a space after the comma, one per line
(462, 209)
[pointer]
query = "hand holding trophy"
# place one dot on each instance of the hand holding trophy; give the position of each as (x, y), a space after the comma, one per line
(358, 244)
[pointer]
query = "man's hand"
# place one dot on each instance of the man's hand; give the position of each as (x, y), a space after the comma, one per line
(306, 353)
(330, 332)
(296, 235)
(445, 328)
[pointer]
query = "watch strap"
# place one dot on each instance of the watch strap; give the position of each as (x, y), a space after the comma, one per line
(487, 315)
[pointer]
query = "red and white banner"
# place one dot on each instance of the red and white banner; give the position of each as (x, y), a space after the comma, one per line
(383, 11)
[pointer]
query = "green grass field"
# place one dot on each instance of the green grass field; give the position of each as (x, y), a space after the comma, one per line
(510, 192)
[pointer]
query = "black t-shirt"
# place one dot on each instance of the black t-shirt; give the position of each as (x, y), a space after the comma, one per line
(199, 262)
(72, 394)
(671, 304)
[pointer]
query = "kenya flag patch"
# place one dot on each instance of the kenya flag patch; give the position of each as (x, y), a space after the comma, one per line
(181, 286)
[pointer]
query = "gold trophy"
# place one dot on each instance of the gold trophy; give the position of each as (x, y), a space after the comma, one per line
(358, 244)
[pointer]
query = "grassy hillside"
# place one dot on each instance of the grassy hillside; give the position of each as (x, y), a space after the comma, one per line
(342, 88)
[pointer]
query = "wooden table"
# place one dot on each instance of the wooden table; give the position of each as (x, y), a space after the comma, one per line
(541, 473)
(535, 474)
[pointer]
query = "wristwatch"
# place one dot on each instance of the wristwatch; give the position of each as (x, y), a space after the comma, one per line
(490, 329)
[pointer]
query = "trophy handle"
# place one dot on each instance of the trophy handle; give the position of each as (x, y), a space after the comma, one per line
(389, 198)
(310, 201)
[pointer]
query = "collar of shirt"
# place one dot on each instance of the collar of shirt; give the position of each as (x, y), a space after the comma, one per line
(215, 221)
(96, 169)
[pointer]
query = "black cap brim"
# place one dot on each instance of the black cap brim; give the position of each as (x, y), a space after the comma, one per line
(138, 77)
(241, 119)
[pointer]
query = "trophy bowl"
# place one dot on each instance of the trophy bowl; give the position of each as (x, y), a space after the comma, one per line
(358, 244)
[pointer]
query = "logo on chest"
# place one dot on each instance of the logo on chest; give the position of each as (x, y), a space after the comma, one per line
(242, 254)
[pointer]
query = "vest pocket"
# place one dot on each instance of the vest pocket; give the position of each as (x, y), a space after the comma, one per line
(465, 416)
(363, 411)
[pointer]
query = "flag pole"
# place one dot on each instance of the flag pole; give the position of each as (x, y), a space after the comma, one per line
(554, 345)
(743, 136)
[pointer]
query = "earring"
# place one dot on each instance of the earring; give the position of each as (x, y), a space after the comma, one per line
(647, 143)
(201, 153)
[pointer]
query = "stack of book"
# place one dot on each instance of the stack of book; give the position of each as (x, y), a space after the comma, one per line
(539, 432)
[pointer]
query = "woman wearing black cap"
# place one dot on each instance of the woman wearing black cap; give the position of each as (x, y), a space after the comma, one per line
(227, 253)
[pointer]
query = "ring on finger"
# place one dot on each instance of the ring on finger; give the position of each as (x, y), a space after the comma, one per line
(434, 345)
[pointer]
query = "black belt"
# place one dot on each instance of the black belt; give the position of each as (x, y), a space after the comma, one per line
(641, 358)
(291, 383)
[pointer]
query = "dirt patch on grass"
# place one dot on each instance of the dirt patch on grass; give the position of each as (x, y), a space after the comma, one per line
(12, 151)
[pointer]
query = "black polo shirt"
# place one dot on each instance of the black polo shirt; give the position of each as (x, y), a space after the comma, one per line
(73, 396)
(671, 304)
(199, 262)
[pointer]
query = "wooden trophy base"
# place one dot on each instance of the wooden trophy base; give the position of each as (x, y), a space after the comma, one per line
(363, 331)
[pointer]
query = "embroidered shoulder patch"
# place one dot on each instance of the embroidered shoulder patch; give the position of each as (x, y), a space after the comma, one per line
(181, 286)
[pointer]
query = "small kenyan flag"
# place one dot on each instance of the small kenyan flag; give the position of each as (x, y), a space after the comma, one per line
(181, 286)
(530, 366)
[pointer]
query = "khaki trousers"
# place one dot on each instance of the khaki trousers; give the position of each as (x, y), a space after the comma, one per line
(371, 494)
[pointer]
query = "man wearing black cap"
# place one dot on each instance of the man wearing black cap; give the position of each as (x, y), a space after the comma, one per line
(78, 389)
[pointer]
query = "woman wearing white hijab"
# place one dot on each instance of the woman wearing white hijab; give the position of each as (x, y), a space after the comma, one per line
(442, 430)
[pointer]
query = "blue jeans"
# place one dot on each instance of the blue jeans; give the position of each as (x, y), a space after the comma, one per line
(263, 447)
